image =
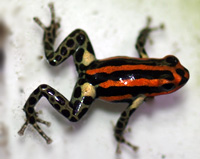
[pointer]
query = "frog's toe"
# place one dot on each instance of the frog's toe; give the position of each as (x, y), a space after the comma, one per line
(135, 148)
(23, 128)
(43, 122)
(42, 133)
(37, 20)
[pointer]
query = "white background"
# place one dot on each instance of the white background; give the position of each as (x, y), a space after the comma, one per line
(167, 127)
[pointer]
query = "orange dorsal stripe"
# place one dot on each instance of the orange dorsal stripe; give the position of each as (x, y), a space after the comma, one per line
(132, 83)
(110, 69)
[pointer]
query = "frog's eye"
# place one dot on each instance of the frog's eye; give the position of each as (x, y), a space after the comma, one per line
(172, 60)
(168, 87)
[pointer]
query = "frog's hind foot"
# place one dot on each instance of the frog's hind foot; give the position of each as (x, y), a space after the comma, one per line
(53, 25)
(50, 33)
(23, 128)
(42, 133)
(48, 124)
(37, 128)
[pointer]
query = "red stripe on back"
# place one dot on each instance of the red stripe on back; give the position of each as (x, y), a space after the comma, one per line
(110, 69)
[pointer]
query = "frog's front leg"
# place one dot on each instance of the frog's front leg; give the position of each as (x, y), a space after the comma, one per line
(82, 98)
(76, 43)
(123, 121)
(143, 36)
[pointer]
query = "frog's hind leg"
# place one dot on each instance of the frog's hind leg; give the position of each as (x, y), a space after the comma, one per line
(74, 110)
(76, 43)
(123, 121)
(49, 32)
(143, 36)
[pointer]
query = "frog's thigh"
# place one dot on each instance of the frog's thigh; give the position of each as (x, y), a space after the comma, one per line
(83, 96)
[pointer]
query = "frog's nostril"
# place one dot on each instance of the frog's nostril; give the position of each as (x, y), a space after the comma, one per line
(183, 73)
(183, 81)
(186, 70)
(180, 72)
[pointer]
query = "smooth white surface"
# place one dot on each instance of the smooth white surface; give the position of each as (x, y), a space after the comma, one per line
(167, 127)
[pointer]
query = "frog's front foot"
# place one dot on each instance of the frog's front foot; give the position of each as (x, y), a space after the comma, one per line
(134, 148)
(121, 139)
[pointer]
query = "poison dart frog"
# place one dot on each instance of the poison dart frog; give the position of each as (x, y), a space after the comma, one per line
(115, 79)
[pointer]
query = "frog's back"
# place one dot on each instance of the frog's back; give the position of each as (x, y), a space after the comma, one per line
(122, 78)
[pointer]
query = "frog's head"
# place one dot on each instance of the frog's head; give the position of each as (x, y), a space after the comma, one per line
(179, 74)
